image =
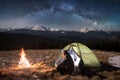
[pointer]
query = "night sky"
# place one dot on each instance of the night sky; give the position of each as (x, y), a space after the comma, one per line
(61, 14)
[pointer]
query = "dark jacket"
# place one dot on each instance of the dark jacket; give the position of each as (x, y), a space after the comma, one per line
(65, 65)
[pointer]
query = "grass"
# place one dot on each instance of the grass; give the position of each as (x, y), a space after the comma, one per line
(43, 67)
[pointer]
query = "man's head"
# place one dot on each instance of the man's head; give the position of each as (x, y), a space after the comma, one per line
(64, 53)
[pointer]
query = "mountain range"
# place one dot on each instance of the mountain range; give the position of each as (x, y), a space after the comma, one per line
(34, 28)
(84, 33)
(37, 36)
(43, 28)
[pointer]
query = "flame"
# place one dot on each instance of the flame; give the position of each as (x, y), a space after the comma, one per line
(23, 60)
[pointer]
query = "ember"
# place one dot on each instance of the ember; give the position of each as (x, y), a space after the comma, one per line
(23, 60)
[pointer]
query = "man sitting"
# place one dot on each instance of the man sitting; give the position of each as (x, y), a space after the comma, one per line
(65, 65)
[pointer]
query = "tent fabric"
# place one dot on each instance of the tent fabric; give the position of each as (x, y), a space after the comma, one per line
(75, 58)
(81, 51)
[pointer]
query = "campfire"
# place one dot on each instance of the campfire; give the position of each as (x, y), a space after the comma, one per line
(23, 60)
(23, 67)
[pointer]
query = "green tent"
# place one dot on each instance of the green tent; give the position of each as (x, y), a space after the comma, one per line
(84, 53)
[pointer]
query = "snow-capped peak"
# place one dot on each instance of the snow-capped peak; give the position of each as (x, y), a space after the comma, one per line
(6, 29)
(40, 28)
(86, 29)
(54, 29)
(43, 28)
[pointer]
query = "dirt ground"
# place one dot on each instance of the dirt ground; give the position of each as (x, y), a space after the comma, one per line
(42, 66)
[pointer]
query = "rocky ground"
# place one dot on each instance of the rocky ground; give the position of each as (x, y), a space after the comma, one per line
(42, 66)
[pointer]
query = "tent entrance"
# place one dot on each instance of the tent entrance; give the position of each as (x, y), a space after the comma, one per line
(74, 57)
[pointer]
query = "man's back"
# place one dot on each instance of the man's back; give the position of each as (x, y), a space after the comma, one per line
(66, 66)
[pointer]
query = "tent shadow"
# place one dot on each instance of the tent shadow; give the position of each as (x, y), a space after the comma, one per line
(90, 72)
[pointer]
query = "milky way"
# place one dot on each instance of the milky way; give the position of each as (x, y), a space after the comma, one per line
(62, 14)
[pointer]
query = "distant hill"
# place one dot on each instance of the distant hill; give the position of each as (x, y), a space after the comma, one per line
(71, 35)
(11, 41)
(42, 38)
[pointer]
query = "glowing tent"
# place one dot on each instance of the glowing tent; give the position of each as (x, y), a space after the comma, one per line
(80, 52)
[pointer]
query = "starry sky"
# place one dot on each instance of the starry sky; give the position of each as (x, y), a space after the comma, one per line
(61, 14)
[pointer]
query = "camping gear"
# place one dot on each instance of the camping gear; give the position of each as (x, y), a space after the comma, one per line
(81, 56)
